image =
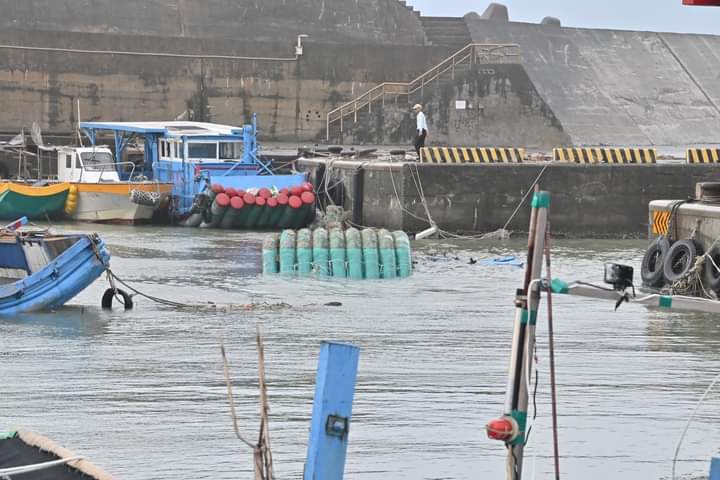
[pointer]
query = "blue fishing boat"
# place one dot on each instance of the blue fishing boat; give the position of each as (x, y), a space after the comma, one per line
(42, 271)
(199, 160)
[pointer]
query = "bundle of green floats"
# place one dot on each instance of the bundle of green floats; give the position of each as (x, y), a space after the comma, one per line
(351, 253)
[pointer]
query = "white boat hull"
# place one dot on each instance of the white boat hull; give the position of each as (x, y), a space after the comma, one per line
(111, 203)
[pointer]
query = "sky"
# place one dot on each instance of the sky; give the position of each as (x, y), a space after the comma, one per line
(653, 15)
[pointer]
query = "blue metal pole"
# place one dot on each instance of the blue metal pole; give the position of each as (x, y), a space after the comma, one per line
(715, 469)
(332, 410)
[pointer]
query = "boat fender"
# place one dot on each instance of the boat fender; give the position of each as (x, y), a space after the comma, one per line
(110, 295)
(711, 274)
(651, 270)
(72, 200)
(148, 199)
(680, 259)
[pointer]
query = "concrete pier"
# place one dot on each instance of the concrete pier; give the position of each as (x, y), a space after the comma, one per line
(588, 200)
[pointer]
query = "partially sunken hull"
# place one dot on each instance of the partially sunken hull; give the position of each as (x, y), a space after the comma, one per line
(37, 203)
(111, 203)
(43, 272)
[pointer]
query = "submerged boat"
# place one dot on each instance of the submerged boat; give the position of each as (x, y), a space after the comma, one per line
(34, 202)
(29, 456)
(97, 194)
(42, 271)
(204, 162)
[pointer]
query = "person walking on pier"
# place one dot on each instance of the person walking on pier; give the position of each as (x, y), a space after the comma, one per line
(422, 129)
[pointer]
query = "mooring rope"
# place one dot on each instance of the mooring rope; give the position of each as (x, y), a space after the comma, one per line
(687, 425)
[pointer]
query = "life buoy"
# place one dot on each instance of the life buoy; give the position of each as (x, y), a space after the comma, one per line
(110, 294)
(680, 260)
(711, 274)
(651, 270)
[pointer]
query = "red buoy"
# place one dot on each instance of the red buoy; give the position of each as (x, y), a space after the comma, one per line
(249, 199)
(241, 193)
(297, 191)
(502, 429)
(237, 203)
(272, 202)
(265, 193)
(223, 200)
(285, 191)
(217, 188)
(260, 201)
(308, 198)
(308, 187)
(295, 202)
(282, 199)
(231, 192)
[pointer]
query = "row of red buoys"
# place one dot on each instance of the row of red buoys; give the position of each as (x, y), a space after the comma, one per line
(262, 208)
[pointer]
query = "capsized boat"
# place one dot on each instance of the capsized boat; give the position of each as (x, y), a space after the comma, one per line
(201, 159)
(97, 193)
(27, 455)
(42, 271)
(34, 202)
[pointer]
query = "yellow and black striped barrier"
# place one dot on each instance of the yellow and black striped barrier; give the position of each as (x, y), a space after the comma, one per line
(606, 155)
(703, 155)
(471, 155)
(660, 222)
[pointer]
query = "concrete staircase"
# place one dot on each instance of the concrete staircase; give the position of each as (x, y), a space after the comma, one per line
(447, 32)
(386, 107)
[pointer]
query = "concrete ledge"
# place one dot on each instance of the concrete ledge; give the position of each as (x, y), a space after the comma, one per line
(587, 200)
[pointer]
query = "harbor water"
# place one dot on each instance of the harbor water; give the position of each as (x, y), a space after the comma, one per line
(142, 393)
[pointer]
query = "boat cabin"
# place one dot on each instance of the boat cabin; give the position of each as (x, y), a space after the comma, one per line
(86, 165)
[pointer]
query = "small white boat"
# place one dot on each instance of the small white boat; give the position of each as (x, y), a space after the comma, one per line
(97, 194)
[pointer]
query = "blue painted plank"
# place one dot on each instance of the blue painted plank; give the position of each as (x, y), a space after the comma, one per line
(715, 469)
(332, 411)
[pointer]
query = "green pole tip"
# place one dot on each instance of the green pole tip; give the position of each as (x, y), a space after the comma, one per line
(541, 200)
(559, 286)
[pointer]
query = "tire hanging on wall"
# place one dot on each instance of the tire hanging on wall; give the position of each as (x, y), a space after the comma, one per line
(653, 261)
(110, 295)
(680, 260)
(711, 274)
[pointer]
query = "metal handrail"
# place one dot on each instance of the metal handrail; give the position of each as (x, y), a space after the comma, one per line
(474, 52)
(104, 166)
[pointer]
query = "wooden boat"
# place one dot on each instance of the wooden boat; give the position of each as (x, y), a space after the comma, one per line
(27, 455)
(22, 200)
(41, 271)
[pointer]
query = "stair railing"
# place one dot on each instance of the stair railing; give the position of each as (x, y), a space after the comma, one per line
(472, 54)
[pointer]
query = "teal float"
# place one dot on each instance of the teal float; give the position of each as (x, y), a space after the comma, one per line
(370, 254)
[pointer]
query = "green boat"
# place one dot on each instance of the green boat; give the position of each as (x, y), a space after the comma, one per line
(20, 200)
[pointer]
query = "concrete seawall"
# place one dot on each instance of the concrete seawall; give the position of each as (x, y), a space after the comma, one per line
(573, 86)
(588, 201)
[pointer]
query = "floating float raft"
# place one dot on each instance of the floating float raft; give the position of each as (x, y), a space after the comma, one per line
(20, 200)
(256, 209)
(40, 271)
(351, 253)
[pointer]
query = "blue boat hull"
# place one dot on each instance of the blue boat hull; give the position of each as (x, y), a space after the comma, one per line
(62, 279)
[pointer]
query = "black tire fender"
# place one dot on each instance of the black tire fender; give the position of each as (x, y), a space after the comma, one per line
(711, 275)
(680, 259)
(110, 294)
(651, 270)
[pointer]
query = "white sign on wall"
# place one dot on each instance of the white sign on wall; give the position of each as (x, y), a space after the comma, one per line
(460, 105)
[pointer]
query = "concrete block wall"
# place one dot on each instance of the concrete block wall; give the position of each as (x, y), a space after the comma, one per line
(502, 108)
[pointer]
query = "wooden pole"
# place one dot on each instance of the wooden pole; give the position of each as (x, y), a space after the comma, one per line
(551, 342)
(264, 441)
(526, 303)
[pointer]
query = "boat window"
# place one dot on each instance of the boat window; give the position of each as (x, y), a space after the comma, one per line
(202, 150)
(96, 160)
(68, 161)
(231, 151)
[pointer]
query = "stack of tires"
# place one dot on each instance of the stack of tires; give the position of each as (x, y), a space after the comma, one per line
(665, 262)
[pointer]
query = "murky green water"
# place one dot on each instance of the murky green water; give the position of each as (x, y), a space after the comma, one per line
(142, 393)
